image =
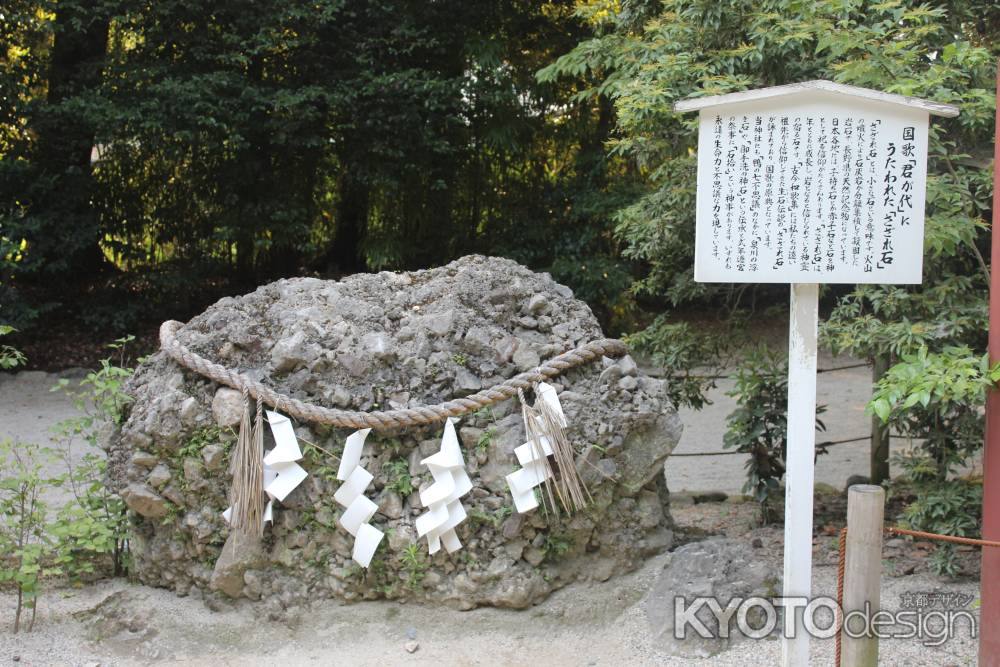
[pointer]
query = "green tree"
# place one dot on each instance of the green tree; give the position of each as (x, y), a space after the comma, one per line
(244, 141)
(646, 56)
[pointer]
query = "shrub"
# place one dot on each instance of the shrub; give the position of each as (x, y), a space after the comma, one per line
(95, 526)
(936, 399)
(759, 424)
(10, 357)
(24, 542)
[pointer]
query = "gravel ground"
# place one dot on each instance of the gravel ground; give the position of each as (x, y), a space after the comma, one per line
(600, 624)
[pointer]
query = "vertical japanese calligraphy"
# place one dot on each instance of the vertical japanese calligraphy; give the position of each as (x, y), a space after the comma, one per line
(811, 194)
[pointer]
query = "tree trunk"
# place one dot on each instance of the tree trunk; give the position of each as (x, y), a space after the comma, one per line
(352, 219)
(253, 191)
(17, 612)
(67, 237)
(879, 454)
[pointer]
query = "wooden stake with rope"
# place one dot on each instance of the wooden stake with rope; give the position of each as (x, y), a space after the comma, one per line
(893, 530)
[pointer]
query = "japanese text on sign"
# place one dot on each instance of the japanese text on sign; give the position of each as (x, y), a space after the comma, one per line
(810, 195)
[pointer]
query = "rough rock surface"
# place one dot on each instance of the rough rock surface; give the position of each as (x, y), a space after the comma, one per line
(719, 568)
(390, 340)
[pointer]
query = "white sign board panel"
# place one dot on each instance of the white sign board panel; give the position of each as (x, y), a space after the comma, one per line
(811, 188)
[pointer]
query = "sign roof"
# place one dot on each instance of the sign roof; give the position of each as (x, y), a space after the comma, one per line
(697, 103)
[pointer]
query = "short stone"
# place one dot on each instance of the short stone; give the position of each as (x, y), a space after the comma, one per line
(534, 556)
(628, 383)
(174, 495)
(391, 505)
(650, 509)
(227, 407)
(628, 366)
(538, 304)
(440, 323)
(354, 364)
(290, 353)
(237, 556)
(190, 411)
(411, 646)
(159, 476)
(378, 345)
(401, 537)
(192, 471)
(144, 501)
(515, 548)
(213, 457)
(719, 567)
(469, 436)
(512, 526)
(610, 375)
(466, 381)
(144, 459)
(526, 358)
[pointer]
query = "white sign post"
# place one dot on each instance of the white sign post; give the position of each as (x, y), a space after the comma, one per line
(809, 183)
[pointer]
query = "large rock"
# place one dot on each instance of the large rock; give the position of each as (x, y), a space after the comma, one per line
(718, 568)
(384, 341)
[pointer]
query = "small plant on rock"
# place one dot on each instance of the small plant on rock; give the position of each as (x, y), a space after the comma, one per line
(207, 435)
(399, 477)
(483, 444)
(555, 546)
(414, 565)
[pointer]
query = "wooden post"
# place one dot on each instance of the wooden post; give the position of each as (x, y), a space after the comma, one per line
(989, 585)
(879, 468)
(799, 464)
(862, 572)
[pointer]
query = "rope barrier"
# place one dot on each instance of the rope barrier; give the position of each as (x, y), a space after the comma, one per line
(827, 443)
(841, 564)
(893, 530)
(386, 419)
(954, 539)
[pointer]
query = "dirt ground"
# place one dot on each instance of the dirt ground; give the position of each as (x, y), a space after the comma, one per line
(114, 623)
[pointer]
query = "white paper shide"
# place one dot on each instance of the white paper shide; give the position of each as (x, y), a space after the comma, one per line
(532, 457)
(281, 472)
(351, 495)
(443, 497)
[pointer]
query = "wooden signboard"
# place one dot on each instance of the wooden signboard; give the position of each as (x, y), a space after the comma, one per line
(809, 183)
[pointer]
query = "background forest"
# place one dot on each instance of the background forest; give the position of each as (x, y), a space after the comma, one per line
(155, 156)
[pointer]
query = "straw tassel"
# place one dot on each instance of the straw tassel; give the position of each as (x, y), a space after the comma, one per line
(246, 495)
(545, 420)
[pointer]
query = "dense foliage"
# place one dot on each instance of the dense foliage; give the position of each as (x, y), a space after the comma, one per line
(648, 55)
(936, 399)
(175, 150)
